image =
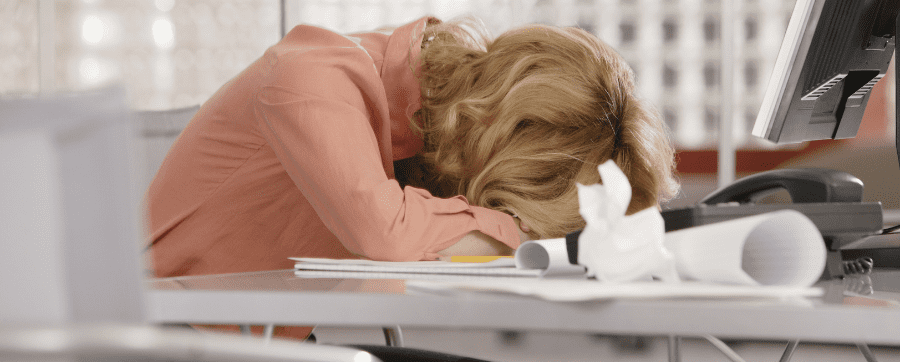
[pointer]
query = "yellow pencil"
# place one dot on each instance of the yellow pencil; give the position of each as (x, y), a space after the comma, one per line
(475, 258)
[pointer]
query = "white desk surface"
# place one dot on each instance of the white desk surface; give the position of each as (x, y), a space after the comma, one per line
(279, 297)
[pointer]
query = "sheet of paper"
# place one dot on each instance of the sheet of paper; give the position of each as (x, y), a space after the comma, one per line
(567, 290)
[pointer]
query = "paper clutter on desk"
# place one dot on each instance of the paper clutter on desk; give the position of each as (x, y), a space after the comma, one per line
(782, 248)
(616, 247)
(567, 290)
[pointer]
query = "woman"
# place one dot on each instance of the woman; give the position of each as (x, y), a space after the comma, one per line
(407, 145)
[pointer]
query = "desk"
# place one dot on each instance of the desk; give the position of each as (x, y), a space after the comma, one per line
(278, 297)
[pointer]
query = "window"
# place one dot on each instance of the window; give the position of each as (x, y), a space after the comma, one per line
(627, 32)
(670, 30)
(751, 74)
(711, 75)
(711, 29)
(670, 76)
(750, 28)
(180, 51)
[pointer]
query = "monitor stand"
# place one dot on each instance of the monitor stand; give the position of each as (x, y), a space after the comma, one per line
(884, 249)
(897, 93)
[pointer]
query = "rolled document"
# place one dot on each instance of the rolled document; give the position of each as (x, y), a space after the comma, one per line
(776, 248)
(549, 255)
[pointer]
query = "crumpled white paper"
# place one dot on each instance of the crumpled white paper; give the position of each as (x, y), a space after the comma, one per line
(615, 247)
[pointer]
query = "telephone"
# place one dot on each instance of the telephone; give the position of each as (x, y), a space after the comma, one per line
(809, 185)
(831, 199)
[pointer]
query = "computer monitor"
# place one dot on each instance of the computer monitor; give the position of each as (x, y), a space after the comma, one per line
(832, 55)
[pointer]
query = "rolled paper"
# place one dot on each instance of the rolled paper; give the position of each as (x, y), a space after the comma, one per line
(549, 255)
(777, 248)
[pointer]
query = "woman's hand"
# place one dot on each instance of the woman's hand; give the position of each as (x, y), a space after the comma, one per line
(523, 230)
(477, 243)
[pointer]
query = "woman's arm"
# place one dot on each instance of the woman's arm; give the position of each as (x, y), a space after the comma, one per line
(316, 120)
(477, 243)
(311, 136)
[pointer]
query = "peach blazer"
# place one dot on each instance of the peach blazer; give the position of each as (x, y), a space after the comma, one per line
(294, 157)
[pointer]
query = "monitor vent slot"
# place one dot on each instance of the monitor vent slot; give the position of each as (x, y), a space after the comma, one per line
(825, 87)
(828, 63)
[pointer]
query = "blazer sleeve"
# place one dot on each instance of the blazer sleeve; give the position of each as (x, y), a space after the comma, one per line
(329, 149)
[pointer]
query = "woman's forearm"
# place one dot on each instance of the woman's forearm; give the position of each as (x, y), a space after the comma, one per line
(477, 243)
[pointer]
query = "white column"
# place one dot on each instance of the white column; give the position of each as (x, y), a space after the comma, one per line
(567, 13)
(47, 45)
(163, 67)
(726, 153)
(650, 48)
(609, 15)
(690, 130)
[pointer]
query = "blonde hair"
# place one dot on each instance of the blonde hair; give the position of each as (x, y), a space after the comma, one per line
(513, 123)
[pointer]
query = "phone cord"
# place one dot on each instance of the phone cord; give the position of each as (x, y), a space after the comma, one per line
(862, 265)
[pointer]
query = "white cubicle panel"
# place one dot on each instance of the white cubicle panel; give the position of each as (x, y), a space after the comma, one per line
(71, 280)
(69, 242)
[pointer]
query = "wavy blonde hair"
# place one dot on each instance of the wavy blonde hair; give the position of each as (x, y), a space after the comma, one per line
(513, 123)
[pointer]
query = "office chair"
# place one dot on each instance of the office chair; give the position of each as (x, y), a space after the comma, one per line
(148, 343)
(156, 132)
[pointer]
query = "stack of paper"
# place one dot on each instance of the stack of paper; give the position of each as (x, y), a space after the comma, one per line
(359, 268)
(772, 255)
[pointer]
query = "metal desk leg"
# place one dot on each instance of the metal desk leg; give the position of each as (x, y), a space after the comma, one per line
(789, 351)
(268, 332)
(866, 352)
(393, 336)
(722, 347)
(674, 349)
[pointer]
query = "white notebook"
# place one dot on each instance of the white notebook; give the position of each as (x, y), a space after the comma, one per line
(504, 267)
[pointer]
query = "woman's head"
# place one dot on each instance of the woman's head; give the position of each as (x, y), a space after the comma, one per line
(514, 123)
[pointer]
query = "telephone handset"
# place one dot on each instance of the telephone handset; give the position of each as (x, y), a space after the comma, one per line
(803, 185)
(831, 199)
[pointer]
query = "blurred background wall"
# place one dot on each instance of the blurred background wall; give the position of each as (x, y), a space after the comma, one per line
(176, 53)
